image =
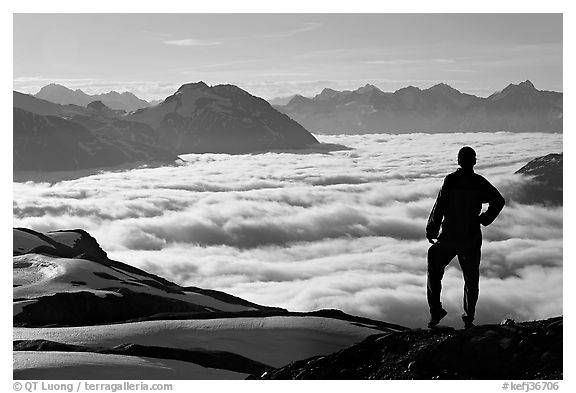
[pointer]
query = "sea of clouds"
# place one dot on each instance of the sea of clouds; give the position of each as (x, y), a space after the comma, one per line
(342, 230)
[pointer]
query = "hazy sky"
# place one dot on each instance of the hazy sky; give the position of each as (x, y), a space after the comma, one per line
(281, 54)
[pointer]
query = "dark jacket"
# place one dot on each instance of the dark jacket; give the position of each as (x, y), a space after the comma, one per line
(459, 204)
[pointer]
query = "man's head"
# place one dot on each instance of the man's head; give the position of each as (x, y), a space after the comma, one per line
(467, 157)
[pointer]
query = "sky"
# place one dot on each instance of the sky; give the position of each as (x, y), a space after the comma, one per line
(340, 230)
(277, 55)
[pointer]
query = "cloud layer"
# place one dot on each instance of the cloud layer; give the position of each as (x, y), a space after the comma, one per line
(340, 230)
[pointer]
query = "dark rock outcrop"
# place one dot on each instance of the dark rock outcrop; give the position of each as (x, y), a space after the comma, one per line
(86, 308)
(528, 350)
(545, 186)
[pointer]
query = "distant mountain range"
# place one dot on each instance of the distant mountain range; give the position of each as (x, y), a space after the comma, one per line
(440, 108)
(59, 94)
(196, 119)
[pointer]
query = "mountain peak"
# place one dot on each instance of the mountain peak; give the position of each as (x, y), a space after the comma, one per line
(98, 106)
(407, 89)
(522, 88)
(194, 86)
(222, 119)
(52, 86)
(367, 88)
(442, 87)
(55, 88)
(326, 94)
(298, 99)
(527, 85)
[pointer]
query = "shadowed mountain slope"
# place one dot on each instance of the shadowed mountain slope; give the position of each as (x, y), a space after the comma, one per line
(222, 119)
(57, 143)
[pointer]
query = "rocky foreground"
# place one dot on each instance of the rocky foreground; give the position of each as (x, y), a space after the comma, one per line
(527, 350)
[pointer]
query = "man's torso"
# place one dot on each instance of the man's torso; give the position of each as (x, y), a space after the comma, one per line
(464, 192)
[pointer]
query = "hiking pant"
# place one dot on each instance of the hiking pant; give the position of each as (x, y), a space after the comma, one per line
(439, 256)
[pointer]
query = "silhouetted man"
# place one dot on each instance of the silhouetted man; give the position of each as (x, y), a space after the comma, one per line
(458, 210)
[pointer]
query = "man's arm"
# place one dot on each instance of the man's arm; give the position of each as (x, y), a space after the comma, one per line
(436, 215)
(495, 204)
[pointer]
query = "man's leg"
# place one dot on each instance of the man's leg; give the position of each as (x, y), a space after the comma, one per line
(439, 256)
(469, 260)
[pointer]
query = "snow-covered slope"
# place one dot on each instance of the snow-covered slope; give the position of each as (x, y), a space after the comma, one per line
(274, 341)
(89, 365)
(63, 278)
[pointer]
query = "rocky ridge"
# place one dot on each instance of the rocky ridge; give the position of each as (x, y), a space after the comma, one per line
(545, 184)
(527, 350)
